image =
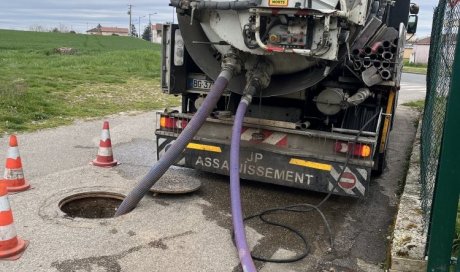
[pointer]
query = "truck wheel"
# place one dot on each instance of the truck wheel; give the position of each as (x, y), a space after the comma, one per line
(380, 164)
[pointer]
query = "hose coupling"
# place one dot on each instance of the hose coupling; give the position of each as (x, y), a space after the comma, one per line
(232, 62)
(258, 78)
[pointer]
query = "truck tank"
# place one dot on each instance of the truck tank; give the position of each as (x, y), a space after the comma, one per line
(303, 40)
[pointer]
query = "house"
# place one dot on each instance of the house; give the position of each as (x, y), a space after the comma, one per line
(408, 50)
(108, 31)
(421, 51)
(409, 47)
(157, 33)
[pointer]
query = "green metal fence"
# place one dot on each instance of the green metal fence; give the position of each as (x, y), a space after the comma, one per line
(440, 143)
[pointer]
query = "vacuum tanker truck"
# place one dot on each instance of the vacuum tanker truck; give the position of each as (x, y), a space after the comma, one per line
(319, 80)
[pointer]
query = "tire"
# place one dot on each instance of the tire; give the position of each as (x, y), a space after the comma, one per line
(380, 163)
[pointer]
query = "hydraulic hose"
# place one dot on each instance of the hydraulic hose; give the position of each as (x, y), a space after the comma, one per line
(159, 168)
(244, 252)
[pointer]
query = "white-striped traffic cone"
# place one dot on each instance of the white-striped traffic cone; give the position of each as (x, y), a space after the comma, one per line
(104, 156)
(11, 246)
(14, 175)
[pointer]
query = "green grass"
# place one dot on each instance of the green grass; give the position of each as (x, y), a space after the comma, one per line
(414, 68)
(418, 104)
(40, 88)
(456, 244)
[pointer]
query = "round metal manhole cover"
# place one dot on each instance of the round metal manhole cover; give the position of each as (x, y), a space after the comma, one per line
(91, 204)
(176, 184)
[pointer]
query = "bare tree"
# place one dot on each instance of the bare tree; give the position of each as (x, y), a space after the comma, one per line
(37, 28)
(63, 28)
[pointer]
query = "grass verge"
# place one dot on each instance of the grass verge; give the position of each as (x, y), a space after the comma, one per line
(40, 88)
(415, 68)
(418, 104)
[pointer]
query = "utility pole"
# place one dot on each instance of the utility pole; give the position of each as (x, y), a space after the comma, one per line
(139, 30)
(130, 19)
(174, 14)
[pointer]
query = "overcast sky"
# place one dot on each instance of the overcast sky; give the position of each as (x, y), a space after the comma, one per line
(80, 15)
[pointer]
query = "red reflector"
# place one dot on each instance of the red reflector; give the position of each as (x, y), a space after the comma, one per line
(361, 150)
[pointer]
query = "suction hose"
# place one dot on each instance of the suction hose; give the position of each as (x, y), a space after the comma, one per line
(244, 252)
(230, 67)
(258, 79)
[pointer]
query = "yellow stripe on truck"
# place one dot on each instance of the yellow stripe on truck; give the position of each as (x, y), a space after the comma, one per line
(310, 164)
(203, 147)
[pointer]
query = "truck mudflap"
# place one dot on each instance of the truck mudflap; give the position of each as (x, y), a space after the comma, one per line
(271, 167)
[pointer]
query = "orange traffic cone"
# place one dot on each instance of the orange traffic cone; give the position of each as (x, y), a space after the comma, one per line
(14, 175)
(11, 246)
(104, 156)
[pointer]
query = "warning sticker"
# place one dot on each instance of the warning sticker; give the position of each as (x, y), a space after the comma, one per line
(278, 3)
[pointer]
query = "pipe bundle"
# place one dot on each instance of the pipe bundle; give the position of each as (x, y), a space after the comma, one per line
(375, 62)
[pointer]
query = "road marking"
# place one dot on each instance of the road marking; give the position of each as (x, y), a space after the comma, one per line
(406, 87)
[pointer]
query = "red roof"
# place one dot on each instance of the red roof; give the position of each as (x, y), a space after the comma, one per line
(109, 29)
(157, 27)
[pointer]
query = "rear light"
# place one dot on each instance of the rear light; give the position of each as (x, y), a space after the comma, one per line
(172, 122)
(357, 149)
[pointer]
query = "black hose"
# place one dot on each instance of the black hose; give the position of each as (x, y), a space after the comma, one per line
(303, 208)
(159, 168)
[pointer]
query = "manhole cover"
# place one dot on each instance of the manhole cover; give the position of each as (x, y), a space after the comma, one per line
(170, 184)
(91, 204)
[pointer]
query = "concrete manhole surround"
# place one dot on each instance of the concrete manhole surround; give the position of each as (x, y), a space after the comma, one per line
(51, 208)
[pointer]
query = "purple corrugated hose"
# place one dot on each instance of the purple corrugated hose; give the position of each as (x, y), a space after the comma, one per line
(159, 168)
(237, 217)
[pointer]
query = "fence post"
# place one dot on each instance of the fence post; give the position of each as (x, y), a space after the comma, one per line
(446, 196)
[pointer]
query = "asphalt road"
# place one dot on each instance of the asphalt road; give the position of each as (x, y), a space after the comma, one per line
(190, 232)
(413, 87)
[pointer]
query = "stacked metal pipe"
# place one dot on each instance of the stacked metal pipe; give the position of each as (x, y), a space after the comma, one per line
(375, 62)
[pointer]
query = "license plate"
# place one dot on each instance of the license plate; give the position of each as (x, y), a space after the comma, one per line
(200, 84)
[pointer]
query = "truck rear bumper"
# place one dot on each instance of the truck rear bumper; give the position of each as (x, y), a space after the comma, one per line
(270, 166)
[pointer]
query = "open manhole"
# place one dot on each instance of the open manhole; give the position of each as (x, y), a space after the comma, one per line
(91, 204)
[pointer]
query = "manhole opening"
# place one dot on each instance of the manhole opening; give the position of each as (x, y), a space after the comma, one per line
(91, 204)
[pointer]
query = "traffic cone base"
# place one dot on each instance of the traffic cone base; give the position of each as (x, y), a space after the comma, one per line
(18, 185)
(16, 252)
(98, 162)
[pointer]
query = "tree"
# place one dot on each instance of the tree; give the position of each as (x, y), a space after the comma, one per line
(37, 28)
(133, 31)
(147, 35)
(63, 28)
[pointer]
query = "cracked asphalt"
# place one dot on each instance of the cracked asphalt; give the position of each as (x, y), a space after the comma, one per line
(189, 232)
